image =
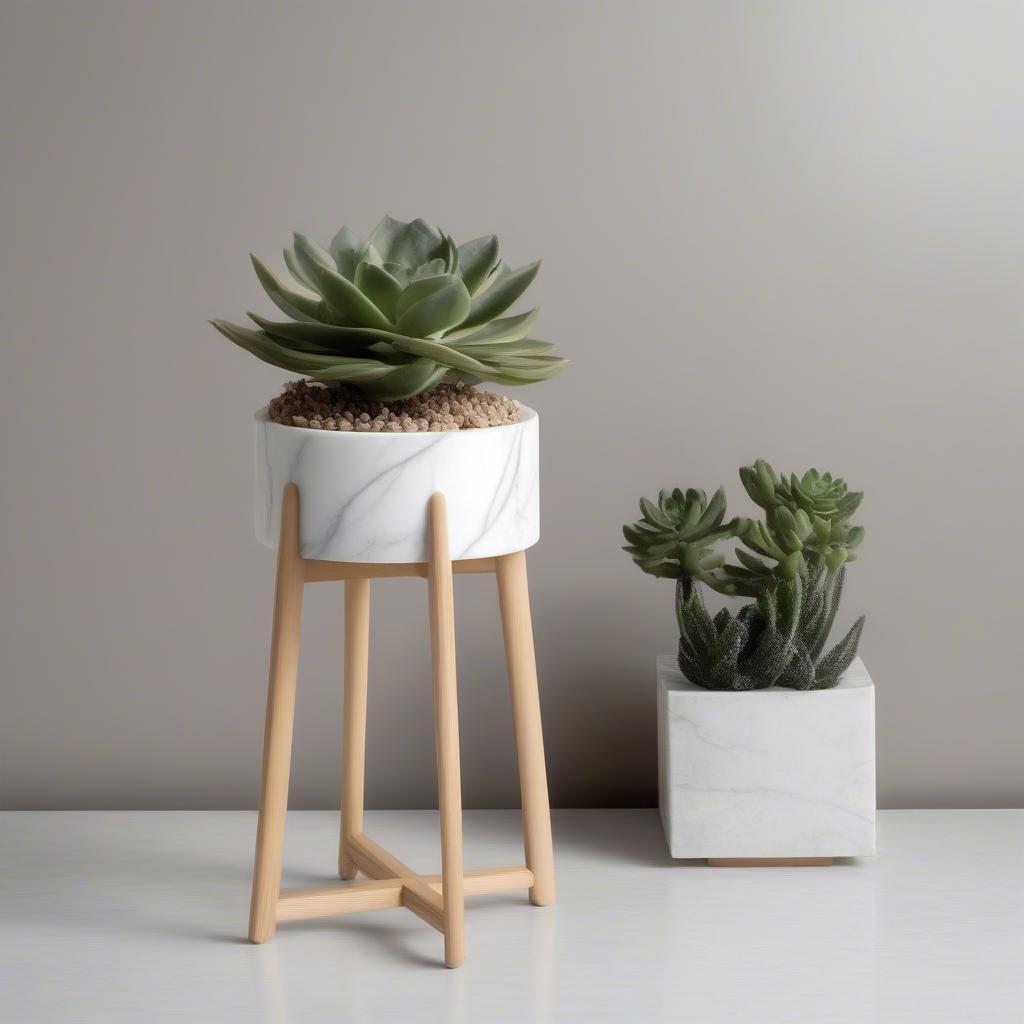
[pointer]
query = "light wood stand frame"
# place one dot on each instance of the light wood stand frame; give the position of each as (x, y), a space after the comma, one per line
(437, 899)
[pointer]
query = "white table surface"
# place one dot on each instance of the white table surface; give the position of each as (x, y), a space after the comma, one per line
(141, 917)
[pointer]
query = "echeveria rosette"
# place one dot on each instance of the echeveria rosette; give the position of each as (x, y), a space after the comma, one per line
(396, 314)
(807, 514)
(674, 537)
(817, 494)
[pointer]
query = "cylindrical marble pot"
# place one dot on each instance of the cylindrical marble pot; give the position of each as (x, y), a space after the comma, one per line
(363, 497)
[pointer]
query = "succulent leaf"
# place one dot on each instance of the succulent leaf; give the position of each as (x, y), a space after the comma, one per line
(839, 659)
(835, 557)
(432, 268)
(438, 351)
(411, 244)
(440, 310)
(326, 367)
(312, 259)
(711, 517)
(405, 381)
(449, 254)
(344, 296)
(477, 259)
(799, 674)
(752, 564)
(309, 337)
(299, 305)
(344, 247)
(497, 332)
(525, 347)
(379, 287)
(297, 270)
(503, 290)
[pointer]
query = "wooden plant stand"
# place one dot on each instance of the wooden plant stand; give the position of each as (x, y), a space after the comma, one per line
(437, 899)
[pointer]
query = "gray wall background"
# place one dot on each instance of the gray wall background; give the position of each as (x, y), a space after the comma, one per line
(791, 230)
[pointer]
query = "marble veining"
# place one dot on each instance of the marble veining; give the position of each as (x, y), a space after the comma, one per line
(363, 497)
(770, 773)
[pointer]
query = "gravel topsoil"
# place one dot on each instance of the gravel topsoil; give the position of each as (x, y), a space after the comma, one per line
(336, 406)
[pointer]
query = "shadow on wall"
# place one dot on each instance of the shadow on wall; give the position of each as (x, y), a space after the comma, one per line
(599, 703)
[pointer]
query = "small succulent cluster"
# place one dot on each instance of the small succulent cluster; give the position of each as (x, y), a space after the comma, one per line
(794, 570)
(398, 313)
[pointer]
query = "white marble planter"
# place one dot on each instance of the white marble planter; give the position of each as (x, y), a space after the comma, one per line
(363, 497)
(768, 773)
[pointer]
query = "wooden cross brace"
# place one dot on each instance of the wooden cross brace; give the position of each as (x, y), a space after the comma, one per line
(437, 899)
(399, 886)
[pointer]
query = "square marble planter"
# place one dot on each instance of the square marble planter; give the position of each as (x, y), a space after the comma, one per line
(769, 774)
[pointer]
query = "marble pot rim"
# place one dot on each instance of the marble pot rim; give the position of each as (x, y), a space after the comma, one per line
(526, 413)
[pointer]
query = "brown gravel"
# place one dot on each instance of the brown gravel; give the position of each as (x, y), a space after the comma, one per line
(307, 403)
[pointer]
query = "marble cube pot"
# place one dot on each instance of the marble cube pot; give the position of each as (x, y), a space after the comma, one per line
(363, 496)
(767, 775)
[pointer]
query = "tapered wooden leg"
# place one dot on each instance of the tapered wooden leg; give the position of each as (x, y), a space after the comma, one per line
(513, 594)
(446, 726)
(277, 739)
(357, 651)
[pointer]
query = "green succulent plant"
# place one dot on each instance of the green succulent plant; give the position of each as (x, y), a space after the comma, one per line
(674, 537)
(795, 576)
(747, 651)
(398, 313)
(807, 513)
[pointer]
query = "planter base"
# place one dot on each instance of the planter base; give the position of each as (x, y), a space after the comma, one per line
(769, 862)
(770, 776)
(437, 899)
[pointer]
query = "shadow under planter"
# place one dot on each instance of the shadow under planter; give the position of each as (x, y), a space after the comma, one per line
(767, 777)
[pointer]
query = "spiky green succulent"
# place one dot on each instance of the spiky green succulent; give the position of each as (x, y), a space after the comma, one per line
(398, 313)
(747, 651)
(811, 668)
(795, 577)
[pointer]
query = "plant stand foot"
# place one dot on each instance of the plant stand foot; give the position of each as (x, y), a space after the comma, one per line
(769, 862)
